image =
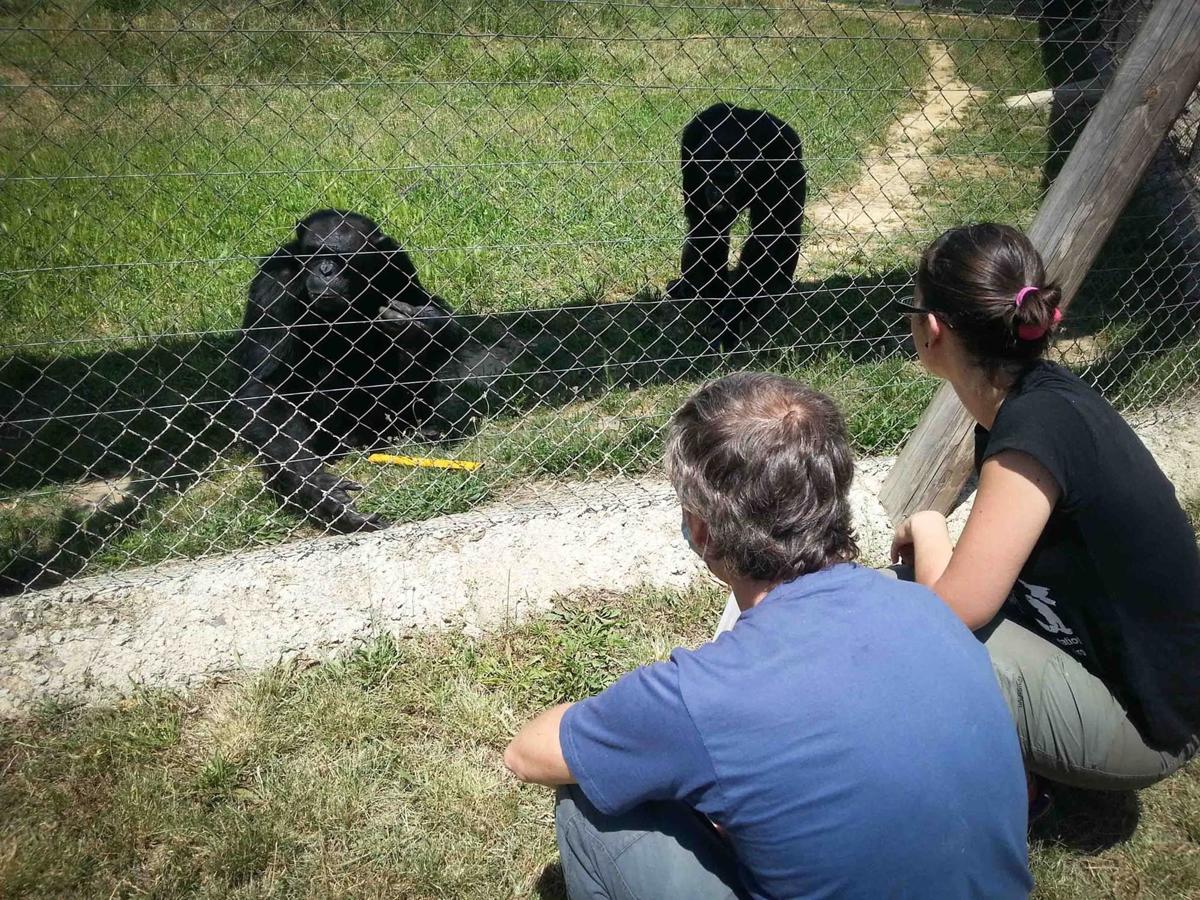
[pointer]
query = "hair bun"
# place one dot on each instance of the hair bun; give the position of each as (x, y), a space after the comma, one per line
(1037, 311)
(1050, 294)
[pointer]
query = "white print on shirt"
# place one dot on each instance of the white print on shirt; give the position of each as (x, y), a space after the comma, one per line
(1039, 598)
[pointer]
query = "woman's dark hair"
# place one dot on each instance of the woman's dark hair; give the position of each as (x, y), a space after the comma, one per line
(972, 275)
(766, 463)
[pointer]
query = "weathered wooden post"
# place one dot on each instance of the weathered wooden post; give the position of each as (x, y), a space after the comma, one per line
(1155, 80)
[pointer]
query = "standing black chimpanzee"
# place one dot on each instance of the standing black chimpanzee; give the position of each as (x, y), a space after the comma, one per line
(735, 159)
(340, 346)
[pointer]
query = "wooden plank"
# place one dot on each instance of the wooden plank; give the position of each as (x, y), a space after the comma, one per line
(1156, 78)
(924, 476)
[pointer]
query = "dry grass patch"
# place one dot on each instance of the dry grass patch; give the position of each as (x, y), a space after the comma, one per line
(374, 774)
(378, 774)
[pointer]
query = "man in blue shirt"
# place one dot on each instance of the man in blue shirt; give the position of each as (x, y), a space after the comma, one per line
(846, 738)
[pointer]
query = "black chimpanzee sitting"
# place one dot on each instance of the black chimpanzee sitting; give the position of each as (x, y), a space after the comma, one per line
(340, 346)
(735, 159)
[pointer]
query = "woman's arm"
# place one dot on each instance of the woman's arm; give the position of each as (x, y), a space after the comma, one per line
(1012, 505)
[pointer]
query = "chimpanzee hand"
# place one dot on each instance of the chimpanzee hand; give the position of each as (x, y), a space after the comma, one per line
(428, 316)
(427, 324)
(336, 506)
(683, 288)
(398, 315)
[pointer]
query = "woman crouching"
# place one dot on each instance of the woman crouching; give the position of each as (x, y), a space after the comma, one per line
(1077, 567)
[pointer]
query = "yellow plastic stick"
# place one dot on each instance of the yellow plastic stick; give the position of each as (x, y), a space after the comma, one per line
(422, 462)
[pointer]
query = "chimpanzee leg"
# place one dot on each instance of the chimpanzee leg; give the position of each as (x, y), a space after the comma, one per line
(768, 260)
(705, 258)
(292, 449)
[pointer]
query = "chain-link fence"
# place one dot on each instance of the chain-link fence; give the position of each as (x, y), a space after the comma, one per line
(532, 280)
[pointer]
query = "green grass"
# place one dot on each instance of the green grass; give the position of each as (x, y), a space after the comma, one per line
(378, 774)
(993, 53)
(526, 153)
(523, 171)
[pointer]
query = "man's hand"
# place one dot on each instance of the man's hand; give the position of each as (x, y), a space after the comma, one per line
(535, 754)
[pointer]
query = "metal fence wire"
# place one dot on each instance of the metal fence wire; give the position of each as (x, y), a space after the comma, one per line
(519, 269)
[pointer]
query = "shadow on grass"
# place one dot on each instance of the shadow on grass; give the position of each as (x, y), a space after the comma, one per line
(1146, 272)
(1145, 289)
(153, 408)
(550, 884)
(154, 415)
(116, 428)
(1144, 368)
(1089, 821)
(573, 352)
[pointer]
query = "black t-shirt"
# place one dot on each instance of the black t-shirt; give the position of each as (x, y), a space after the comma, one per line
(1114, 578)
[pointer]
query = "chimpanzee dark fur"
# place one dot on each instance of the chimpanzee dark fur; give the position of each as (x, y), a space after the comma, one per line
(340, 347)
(736, 159)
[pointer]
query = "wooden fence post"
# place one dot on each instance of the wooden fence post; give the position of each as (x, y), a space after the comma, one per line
(1148, 92)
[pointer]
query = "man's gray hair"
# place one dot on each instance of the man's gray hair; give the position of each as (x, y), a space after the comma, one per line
(765, 461)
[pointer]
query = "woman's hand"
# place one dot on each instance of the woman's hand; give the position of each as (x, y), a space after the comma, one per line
(913, 530)
(902, 544)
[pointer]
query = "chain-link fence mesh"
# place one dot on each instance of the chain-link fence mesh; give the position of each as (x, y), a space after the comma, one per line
(519, 293)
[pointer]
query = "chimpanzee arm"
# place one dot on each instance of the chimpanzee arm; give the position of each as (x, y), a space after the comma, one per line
(265, 345)
(418, 320)
(290, 445)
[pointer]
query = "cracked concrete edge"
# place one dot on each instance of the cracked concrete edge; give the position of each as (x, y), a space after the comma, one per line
(178, 624)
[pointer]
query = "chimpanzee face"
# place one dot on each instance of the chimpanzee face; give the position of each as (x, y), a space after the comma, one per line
(343, 256)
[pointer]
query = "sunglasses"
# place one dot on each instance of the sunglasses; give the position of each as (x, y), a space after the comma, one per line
(906, 308)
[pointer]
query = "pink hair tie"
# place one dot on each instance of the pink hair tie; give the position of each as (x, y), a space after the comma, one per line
(1023, 293)
(1029, 332)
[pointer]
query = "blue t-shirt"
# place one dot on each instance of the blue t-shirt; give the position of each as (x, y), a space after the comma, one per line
(848, 734)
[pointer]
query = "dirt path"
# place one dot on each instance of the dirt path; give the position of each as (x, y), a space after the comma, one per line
(884, 199)
(26, 103)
